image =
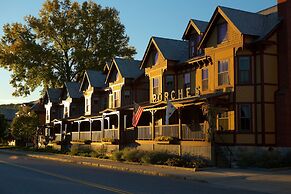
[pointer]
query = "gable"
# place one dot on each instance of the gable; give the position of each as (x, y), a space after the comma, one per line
(243, 23)
(194, 27)
(152, 56)
(114, 73)
(85, 82)
(210, 38)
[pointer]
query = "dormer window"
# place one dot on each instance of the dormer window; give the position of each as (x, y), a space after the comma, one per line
(193, 43)
(156, 57)
(221, 32)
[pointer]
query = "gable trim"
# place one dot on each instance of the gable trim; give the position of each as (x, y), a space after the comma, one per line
(151, 42)
(216, 13)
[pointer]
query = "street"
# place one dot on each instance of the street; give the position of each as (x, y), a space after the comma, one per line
(23, 175)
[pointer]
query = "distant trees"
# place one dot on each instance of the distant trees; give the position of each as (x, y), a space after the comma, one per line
(58, 45)
(24, 126)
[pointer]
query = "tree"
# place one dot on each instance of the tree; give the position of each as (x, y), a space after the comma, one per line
(24, 125)
(3, 128)
(58, 46)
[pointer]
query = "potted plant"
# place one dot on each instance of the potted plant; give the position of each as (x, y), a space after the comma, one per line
(164, 140)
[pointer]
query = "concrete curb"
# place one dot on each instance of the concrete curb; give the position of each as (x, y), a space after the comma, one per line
(112, 167)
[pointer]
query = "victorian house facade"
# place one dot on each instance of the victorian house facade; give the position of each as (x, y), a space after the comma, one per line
(223, 81)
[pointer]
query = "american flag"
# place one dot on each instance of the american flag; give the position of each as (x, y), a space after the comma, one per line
(136, 114)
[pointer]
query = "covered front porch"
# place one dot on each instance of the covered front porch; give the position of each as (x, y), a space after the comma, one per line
(187, 122)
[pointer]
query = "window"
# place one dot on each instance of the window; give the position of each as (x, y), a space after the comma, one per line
(156, 57)
(170, 83)
(192, 47)
(245, 117)
(156, 86)
(47, 115)
(87, 105)
(204, 79)
(187, 80)
(223, 73)
(221, 32)
(153, 58)
(193, 43)
(117, 76)
(223, 121)
(66, 113)
(244, 76)
(116, 96)
(110, 100)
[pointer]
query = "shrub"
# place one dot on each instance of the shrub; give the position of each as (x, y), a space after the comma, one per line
(99, 153)
(117, 155)
(264, 159)
(74, 151)
(175, 161)
(164, 138)
(156, 157)
(132, 155)
(87, 141)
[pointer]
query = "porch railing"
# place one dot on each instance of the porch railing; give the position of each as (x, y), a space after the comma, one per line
(75, 136)
(167, 130)
(144, 133)
(57, 137)
(85, 135)
(111, 133)
(196, 133)
(96, 135)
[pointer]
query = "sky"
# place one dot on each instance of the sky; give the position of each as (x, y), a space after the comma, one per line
(142, 19)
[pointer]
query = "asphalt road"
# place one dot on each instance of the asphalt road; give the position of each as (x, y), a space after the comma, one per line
(24, 175)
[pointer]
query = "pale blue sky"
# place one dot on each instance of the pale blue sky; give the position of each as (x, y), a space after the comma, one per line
(142, 19)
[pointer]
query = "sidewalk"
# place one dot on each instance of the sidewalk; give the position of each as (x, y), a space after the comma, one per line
(267, 181)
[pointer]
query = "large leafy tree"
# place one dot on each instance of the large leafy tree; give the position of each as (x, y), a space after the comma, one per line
(58, 45)
(24, 125)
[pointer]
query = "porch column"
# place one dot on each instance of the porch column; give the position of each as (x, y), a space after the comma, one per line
(153, 124)
(180, 124)
(90, 121)
(79, 123)
(124, 121)
(61, 131)
(118, 123)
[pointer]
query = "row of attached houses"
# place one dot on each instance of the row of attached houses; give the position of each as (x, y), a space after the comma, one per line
(224, 78)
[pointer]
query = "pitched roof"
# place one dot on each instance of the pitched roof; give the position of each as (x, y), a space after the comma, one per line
(129, 68)
(199, 26)
(95, 78)
(249, 23)
(171, 49)
(202, 25)
(73, 89)
(54, 94)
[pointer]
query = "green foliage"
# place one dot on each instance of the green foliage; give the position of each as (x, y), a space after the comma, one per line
(110, 140)
(99, 153)
(264, 159)
(156, 157)
(132, 155)
(3, 128)
(164, 138)
(24, 125)
(159, 157)
(117, 155)
(57, 46)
